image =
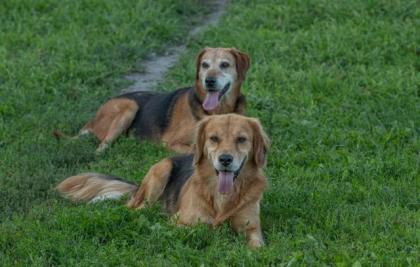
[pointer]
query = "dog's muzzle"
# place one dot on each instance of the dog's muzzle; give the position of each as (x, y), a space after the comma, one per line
(210, 83)
(213, 96)
(227, 177)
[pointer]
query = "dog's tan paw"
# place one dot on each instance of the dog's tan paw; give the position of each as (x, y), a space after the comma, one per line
(255, 243)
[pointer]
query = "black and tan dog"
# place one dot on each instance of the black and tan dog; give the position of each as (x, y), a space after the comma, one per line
(172, 117)
(222, 181)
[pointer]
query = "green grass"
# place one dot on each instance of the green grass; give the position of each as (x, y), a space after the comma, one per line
(335, 84)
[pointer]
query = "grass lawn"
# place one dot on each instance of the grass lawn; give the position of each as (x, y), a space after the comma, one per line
(335, 84)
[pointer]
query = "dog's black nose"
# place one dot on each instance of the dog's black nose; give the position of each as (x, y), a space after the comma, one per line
(225, 159)
(210, 82)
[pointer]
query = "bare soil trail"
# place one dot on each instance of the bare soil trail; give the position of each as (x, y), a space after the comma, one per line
(157, 65)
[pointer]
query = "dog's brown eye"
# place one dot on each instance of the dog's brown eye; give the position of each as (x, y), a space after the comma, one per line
(214, 139)
(241, 139)
(205, 65)
(224, 65)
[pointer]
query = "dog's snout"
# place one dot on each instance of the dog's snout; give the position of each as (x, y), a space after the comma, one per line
(225, 159)
(210, 82)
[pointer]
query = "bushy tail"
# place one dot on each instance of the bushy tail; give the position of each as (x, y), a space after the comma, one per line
(60, 134)
(94, 187)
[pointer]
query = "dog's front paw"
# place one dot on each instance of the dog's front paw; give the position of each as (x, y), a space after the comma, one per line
(255, 243)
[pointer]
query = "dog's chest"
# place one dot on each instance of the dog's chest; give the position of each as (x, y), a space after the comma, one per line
(219, 201)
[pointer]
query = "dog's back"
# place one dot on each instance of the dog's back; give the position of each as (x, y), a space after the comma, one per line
(154, 112)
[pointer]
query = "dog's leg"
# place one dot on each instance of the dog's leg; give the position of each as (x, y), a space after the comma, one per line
(248, 222)
(245, 214)
(112, 119)
(193, 207)
(152, 185)
(192, 217)
(234, 205)
(118, 126)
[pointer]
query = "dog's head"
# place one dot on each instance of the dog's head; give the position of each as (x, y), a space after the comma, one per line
(218, 71)
(229, 143)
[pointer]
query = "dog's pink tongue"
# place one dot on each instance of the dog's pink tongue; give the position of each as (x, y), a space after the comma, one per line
(211, 101)
(225, 182)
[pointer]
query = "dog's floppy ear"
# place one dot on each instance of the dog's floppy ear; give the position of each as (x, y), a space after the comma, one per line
(242, 63)
(260, 143)
(200, 139)
(198, 62)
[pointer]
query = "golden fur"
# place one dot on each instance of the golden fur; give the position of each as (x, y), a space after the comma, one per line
(199, 199)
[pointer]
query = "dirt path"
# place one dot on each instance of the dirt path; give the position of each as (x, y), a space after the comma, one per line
(157, 65)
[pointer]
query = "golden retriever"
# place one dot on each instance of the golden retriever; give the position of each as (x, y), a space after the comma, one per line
(223, 180)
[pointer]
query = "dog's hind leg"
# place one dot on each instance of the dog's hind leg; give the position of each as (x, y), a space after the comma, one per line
(118, 126)
(112, 119)
(153, 185)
